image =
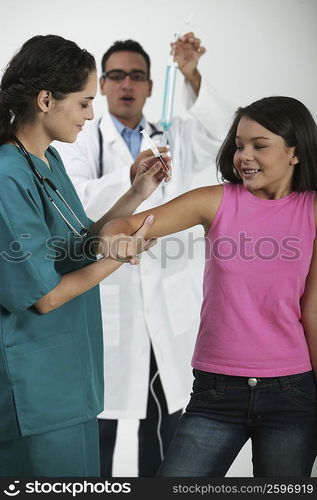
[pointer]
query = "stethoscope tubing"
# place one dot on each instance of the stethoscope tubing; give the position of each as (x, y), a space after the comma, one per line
(84, 231)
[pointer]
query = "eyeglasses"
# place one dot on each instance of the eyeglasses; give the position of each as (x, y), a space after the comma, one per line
(137, 75)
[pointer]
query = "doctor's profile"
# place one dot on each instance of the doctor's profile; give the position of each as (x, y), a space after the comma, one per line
(147, 345)
(51, 261)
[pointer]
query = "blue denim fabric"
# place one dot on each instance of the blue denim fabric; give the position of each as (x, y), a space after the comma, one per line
(278, 414)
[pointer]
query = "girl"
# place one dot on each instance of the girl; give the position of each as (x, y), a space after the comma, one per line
(257, 341)
(51, 373)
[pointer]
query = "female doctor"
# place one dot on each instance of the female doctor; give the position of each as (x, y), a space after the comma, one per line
(51, 373)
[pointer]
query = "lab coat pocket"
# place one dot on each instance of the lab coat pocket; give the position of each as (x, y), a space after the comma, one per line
(110, 309)
(48, 384)
(181, 301)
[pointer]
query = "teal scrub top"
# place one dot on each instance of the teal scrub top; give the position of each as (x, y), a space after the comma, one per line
(51, 365)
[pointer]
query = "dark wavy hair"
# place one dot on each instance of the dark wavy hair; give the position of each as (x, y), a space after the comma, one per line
(283, 116)
(47, 62)
(129, 46)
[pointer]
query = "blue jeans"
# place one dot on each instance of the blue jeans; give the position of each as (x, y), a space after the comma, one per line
(278, 414)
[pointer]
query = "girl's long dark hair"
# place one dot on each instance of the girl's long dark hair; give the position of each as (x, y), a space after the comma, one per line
(291, 120)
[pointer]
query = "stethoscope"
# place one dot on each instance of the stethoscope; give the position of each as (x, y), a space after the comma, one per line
(84, 231)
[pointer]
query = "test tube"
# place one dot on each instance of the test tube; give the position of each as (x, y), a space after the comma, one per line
(169, 92)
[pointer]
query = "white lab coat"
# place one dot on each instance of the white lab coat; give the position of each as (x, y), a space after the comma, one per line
(156, 300)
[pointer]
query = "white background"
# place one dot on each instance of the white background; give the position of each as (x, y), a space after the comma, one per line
(255, 48)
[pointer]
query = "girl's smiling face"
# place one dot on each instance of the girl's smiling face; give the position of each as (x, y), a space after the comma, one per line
(263, 160)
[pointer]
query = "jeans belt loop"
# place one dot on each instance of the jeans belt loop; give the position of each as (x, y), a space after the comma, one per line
(284, 383)
(220, 384)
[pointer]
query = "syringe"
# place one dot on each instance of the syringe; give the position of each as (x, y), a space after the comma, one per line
(156, 152)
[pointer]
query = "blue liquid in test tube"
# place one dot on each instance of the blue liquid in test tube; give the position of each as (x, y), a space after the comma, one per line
(169, 91)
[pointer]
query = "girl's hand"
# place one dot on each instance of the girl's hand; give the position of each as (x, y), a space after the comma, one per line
(150, 174)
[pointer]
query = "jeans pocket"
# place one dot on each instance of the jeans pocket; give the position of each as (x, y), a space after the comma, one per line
(304, 389)
(204, 401)
(205, 387)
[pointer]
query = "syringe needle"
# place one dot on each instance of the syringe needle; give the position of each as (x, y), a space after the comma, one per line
(155, 151)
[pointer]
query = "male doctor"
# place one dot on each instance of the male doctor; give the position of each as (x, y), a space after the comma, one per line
(150, 311)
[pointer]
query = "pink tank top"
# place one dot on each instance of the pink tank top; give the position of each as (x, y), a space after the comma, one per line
(258, 255)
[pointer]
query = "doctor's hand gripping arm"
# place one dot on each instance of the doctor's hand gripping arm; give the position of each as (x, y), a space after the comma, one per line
(120, 247)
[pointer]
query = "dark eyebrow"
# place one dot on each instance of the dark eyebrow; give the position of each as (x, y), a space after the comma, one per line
(91, 98)
(258, 137)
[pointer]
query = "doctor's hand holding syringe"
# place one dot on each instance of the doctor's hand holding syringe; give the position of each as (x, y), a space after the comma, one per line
(152, 171)
(143, 156)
